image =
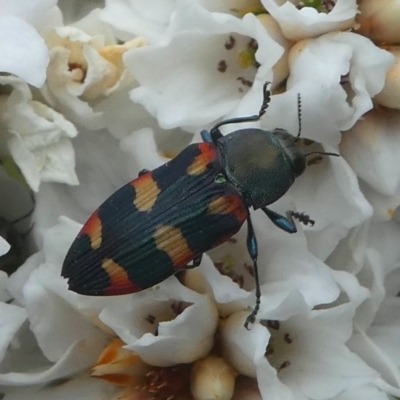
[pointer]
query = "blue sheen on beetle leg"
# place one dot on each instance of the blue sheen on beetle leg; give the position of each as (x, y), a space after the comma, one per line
(285, 223)
(205, 135)
(253, 251)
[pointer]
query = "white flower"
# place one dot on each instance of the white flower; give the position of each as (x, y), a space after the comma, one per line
(149, 19)
(79, 388)
(185, 323)
(23, 50)
(182, 86)
(379, 20)
(83, 69)
(101, 168)
(327, 327)
(372, 255)
(304, 355)
(307, 22)
(66, 342)
(389, 96)
(39, 137)
(325, 61)
(372, 147)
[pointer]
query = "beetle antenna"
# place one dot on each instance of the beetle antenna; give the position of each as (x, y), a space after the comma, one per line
(322, 153)
(263, 108)
(298, 115)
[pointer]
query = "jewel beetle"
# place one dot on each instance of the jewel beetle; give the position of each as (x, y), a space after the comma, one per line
(163, 221)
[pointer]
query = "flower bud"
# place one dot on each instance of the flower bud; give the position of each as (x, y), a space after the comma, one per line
(212, 379)
(390, 94)
(379, 20)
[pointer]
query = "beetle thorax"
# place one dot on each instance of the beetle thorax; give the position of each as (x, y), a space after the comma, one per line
(261, 164)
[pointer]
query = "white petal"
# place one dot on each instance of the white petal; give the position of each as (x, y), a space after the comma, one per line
(11, 319)
(386, 327)
(74, 10)
(384, 206)
(383, 238)
(361, 344)
(285, 257)
(136, 143)
(79, 357)
(235, 335)
(31, 12)
(179, 95)
(349, 284)
(82, 388)
(23, 51)
(366, 392)
(4, 246)
(355, 256)
(184, 339)
(99, 177)
(40, 140)
(5, 295)
(187, 338)
(318, 368)
(148, 18)
(85, 69)
(223, 288)
(55, 324)
(65, 325)
(371, 148)
(332, 57)
(330, 194)
(308, 22)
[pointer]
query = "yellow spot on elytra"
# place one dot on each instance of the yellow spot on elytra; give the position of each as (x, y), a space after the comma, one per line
(118, 277)
(229, 205)
(92, 228)
(218, 206)
(146, 192)
(170, 240)
(201, 162)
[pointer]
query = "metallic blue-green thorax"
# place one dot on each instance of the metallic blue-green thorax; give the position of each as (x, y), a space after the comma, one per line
(262, 164)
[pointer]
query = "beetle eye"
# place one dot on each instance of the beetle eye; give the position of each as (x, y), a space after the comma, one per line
(219, 179)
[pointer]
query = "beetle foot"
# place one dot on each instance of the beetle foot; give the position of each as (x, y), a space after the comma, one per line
(143, 171)
(250, 319)
(303, 218)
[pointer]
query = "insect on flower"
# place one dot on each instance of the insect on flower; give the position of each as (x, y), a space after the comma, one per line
(163, 221)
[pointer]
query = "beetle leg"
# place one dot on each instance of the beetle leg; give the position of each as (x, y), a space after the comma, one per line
(215, 133)
(303, 218)
(143, 171)
(196, 262)
(253, 252)
(205, 135)
(285, 223)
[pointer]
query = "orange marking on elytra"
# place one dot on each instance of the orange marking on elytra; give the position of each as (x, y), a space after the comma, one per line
(146, 192)
(92, 228)
(119, 279)
(200, 163)
(170, 240)
(230, 204)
